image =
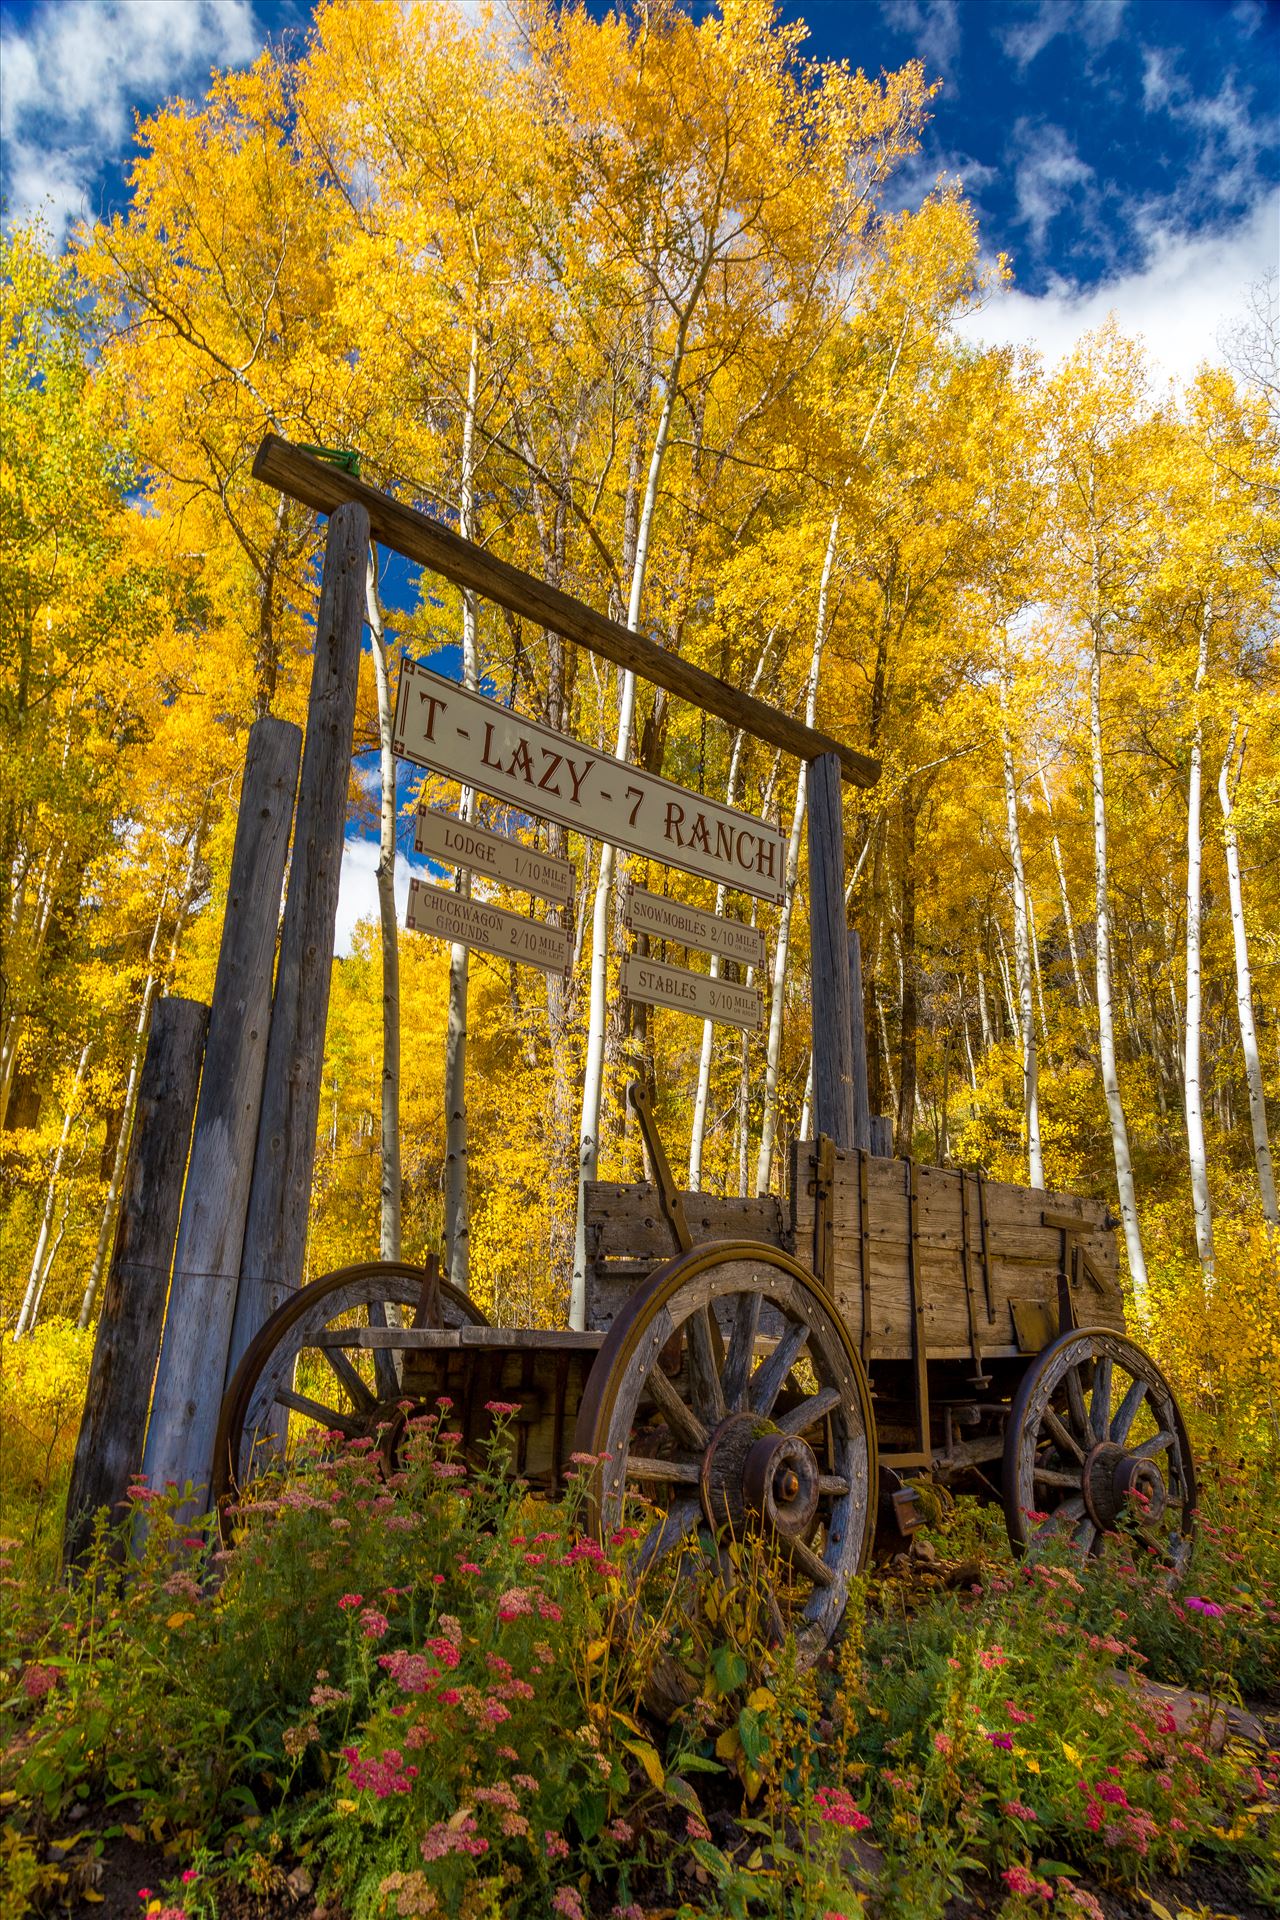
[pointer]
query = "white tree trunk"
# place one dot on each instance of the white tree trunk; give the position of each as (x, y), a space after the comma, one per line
(30, 1299)
(593, 1072)
(1060, 869)
(1022, 960)
(1106, 1018)
(703, 1095)
(457, 1226)
(389, 1219)
(1244, 986)
(1193, 1099)
(773, 1051)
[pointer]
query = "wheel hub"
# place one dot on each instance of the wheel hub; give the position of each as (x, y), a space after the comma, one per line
(1111, 1475)
(769, 1478)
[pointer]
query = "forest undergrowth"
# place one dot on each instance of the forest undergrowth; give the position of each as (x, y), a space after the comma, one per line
(423, 1691)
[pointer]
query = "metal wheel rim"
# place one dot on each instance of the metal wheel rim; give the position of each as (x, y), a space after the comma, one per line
(624, 1369)
(1098, 1421)
(273, 1351)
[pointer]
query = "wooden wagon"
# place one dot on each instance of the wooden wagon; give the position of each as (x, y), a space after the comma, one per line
(788, 1370)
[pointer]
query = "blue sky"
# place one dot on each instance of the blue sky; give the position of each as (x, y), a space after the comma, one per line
(1124, 153)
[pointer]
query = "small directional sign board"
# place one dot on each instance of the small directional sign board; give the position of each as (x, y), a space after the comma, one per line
(470, 738)
(444, 838)
(510, 936)
(662, 986)
(672, 920)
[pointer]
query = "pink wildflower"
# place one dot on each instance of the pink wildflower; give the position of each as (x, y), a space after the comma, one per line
(1022, 1880)
(555, 1845)
(38, 1680)
(1209, 1608)
(568, 1903)
(837, 1805)
(1019, 1810)
(350, 1602)
(374, 1625)
(992, 1657)
(502, 1409)
(1002, 1740)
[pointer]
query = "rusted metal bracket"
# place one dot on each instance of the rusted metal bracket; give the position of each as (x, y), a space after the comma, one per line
(670, 1198)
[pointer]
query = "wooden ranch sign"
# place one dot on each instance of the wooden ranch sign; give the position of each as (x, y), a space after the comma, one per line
(467, 737)
(663, 986)
(510, 936)
(442, 837)
(672, 920)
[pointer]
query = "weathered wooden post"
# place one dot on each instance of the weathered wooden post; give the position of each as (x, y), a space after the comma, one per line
(109, 1449)
(829, 956)
(206, 1268)
(858, 1031)
(275, 1238)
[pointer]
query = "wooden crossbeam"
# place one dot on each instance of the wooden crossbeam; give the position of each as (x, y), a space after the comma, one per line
(324, 487)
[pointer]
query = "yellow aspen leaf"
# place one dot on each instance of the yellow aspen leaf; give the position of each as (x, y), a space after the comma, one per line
(649, 1760)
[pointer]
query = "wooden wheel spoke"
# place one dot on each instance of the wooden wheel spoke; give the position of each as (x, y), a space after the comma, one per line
(682, 1420)
(1062, 1434)
(1100, 1403)
(1086, 1538)
(766, 1381)
(803, 1557)
(668, 1534)
(362, 1398)
(832, 1483)
(1072, 1509)
(742, 1349)
(704, 1367)
(809, 1412)
(1075, 1403)
(327, 1416)
(1050, 1477)
(1159, 1443)
(1127, 1412)
(643, 1467)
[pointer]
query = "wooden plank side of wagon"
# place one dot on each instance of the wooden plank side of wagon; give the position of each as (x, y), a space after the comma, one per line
(1013, 1256)
(628, 1236)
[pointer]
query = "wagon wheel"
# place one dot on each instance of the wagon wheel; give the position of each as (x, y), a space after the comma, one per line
(1094, 1437)
(729, 1397)
(342, 1390)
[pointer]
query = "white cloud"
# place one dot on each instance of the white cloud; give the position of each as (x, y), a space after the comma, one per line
(934, 27)
(358, 888)
(1048, 167)
(1097, 22)
(69, 82)
(1191, 289)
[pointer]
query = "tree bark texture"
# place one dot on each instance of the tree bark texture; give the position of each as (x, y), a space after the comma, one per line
(109, 1448)
(275, 1237)
(202, 1297)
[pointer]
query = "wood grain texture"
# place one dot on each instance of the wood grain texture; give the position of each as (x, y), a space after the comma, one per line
(829, 957)
(109, 1447)
(418, 537)
(1023, 1255)
(275, 1238)
(858, 1032)
(627, 1235)
(184, 1413)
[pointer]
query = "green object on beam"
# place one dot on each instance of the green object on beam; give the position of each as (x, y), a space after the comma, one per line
(344, 457)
